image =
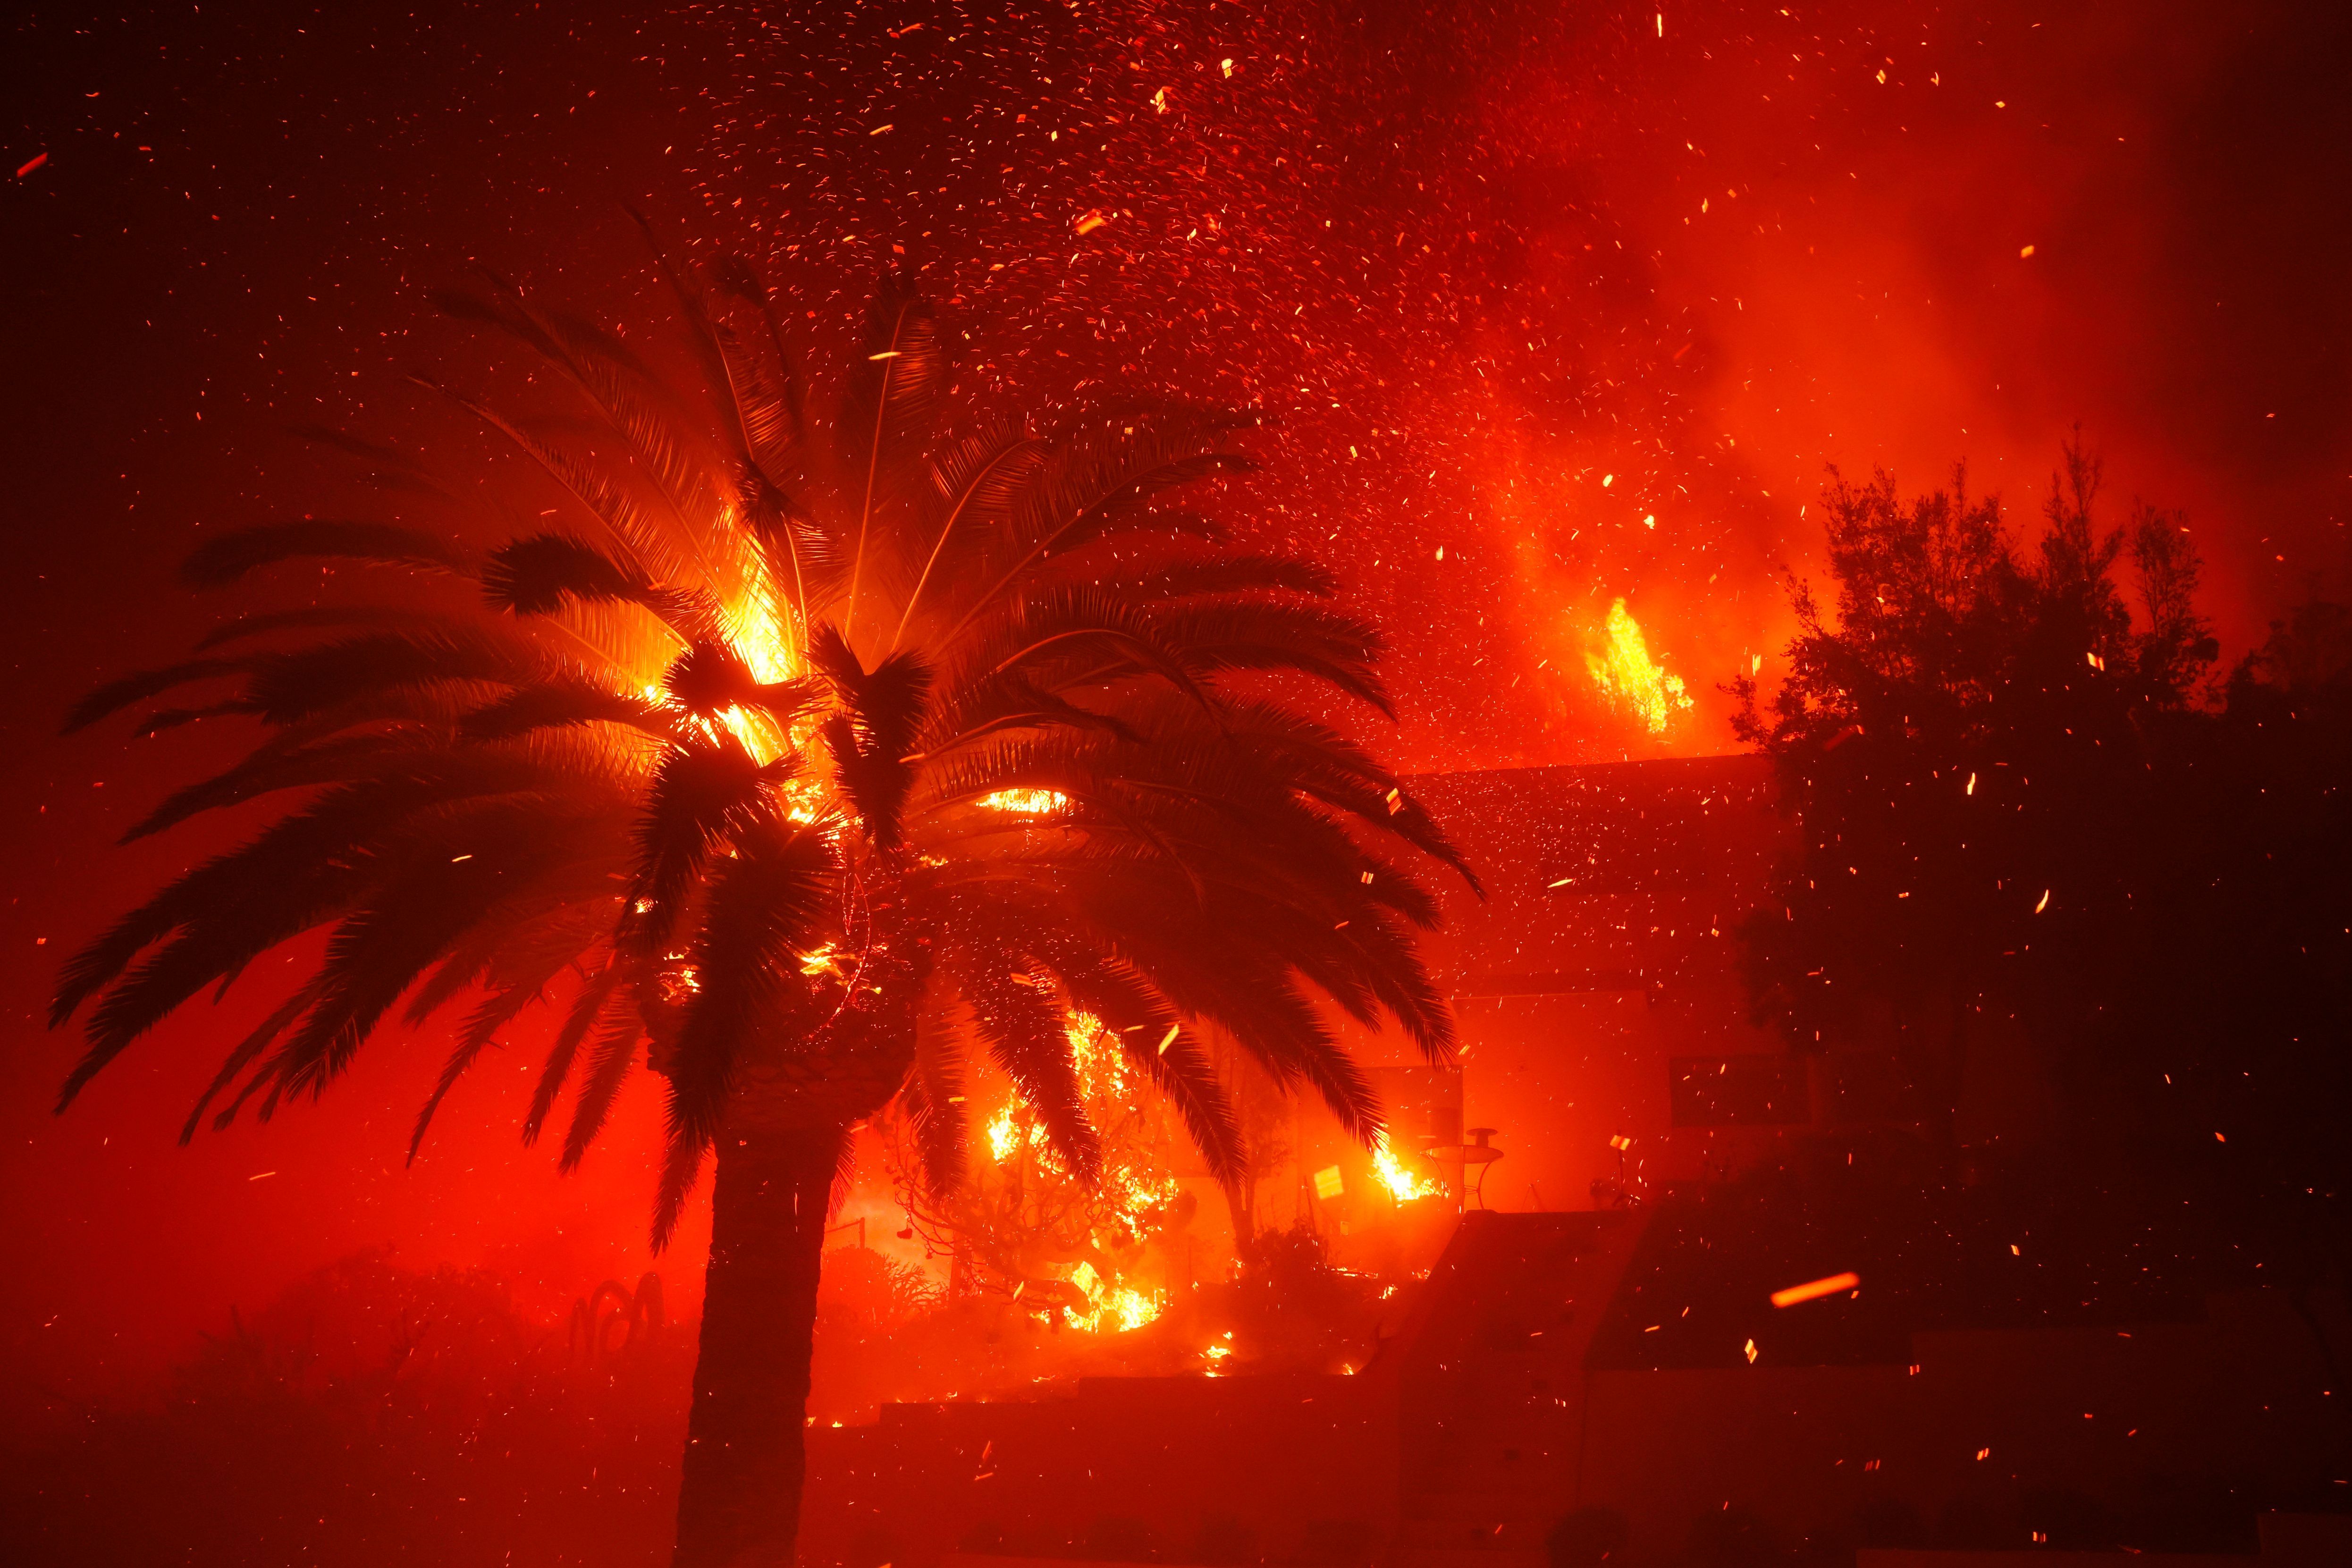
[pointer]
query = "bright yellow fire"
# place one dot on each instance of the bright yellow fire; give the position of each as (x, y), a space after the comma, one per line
(1630, 680)
(1112, 1309)
(1003, 1136)
(1134, 1308)
(1027, 801)
(1133, 1186)
(1401, 1184)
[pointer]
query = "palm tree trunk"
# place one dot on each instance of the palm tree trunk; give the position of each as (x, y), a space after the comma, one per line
(740, 1503)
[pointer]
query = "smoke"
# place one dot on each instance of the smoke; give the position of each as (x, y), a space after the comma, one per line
(1582, 301)
(1556, 306)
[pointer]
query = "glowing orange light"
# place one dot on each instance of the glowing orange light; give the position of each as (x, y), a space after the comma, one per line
(1027, 801)
(1401, 1184)
(1129, 1197)
(1630, 680)
(1812, 1290)
(1001, 1135)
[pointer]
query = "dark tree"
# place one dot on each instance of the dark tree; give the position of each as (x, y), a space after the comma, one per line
(814, 713)
(1969, 747)
(2016, 802)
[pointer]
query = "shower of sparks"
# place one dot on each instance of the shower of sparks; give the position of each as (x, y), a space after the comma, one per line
(1083, 177)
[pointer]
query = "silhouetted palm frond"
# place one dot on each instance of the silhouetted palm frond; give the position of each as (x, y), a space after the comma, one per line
(1073, 806)
(227, 557)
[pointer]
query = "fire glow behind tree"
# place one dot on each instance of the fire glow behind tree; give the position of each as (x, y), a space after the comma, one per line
(1522, 248)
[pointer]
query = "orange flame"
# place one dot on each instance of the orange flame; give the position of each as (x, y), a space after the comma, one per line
(1630, 680)
(1401, 1184)
(1027, 801)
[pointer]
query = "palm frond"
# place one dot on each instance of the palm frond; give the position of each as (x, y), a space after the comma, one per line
(534, 576)
(268, 623)
(703, 792)
(871, 738)
(1154, 1039)
(496, 1010)
(1021, 1021)
(765, 905)
(932, 1102)
(223, 558)
(287, 687)
(710, 676)
(618, 1033)
(116, 695)
(976, 486)
(280, 1019)
(561, 703)
(770, 394)
(1232, 634)
(271, 768)
(888, 415)
(595, 997)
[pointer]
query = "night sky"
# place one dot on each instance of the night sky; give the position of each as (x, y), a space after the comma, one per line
(1469, 261)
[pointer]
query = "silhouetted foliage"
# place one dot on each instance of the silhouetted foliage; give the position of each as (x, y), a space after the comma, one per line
(1969, 747)
(840, 705)
(2025, 823)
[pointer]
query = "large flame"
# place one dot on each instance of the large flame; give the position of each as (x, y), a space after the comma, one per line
(1133, 1191)
(1401, 1184)
(1027, 801)
(1630, 680)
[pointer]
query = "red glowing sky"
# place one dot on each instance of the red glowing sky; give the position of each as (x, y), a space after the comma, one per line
(1472, 259)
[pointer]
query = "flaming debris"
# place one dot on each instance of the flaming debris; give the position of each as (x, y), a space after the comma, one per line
(1027, 801)
(1813, 1290)
(1401, 1184)
(1633, 681)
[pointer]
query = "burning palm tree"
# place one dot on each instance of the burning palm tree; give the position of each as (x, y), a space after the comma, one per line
(810, 720)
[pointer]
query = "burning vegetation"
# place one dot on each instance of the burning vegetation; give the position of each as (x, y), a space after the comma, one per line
(1088, 1252)
(919, 770)
(1633, 683)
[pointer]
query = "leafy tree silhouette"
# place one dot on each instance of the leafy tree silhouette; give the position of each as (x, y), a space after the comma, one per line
(1967, 748)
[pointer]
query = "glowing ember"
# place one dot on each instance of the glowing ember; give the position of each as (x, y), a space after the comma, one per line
(1027, 802)
(1401, 1184)
(1812, 1290)
(1630, 680)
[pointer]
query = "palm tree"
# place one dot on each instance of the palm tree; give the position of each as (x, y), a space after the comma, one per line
(814, 717)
